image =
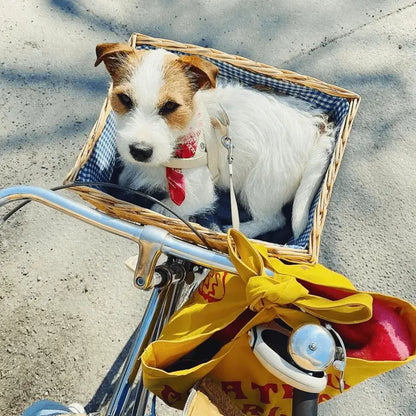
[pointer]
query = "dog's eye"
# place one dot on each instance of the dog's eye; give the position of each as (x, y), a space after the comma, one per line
(126, 100)
(168, 107)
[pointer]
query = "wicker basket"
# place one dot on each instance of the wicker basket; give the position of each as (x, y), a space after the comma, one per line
(92, 163)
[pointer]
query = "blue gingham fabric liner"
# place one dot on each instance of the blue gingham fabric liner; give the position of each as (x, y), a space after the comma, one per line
(100, 165)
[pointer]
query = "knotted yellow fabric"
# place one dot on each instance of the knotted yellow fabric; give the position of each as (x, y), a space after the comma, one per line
(275, 293)
(209, 334)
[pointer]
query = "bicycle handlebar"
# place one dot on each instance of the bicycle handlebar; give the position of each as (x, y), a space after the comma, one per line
(304, 404)
(168, 244)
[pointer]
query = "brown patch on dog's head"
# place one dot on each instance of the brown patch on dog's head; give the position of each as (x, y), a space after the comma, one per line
(202, 72)
(116, 57)
(120, 60)
(176, 95)
(184, 76)
(120, 97)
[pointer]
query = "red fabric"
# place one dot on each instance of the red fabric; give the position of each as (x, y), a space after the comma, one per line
(176, 183)
(384, 337)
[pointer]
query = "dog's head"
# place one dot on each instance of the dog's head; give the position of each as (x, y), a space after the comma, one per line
(152, 94)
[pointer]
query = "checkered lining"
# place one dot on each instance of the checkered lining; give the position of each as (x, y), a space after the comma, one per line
(100, 166)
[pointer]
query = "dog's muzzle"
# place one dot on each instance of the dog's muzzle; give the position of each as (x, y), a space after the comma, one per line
(140, 153)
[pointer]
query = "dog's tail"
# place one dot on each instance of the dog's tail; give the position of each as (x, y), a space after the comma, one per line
(311, 179)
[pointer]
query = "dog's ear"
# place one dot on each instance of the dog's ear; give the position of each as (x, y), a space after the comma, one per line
(203, 72)
(113, 55)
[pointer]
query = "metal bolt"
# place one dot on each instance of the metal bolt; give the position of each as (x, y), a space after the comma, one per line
(313, 346)
(140, 281)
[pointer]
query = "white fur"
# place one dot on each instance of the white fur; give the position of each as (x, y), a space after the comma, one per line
(280, 153)
(143, 125)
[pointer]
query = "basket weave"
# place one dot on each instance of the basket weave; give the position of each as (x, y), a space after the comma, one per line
(125, 210)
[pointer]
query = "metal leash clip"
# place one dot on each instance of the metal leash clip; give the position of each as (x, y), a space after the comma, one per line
(228, 144)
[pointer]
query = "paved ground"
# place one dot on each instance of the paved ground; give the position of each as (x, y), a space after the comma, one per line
(67, 305)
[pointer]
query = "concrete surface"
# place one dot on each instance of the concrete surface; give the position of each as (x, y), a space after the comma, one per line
(67, 304)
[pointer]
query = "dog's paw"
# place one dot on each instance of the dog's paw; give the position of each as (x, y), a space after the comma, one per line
(216, 228)
(254, 228)
(246, 228)
(171, 210)
(225, 228)
(164, 211)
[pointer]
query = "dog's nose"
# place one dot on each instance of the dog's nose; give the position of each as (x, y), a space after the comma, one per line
(141, 154)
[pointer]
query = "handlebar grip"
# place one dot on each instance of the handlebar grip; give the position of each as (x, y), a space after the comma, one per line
(304, 403)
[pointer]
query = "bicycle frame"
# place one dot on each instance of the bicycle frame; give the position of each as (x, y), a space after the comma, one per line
(152, 241)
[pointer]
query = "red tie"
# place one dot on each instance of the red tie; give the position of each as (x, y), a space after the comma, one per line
(176, 182)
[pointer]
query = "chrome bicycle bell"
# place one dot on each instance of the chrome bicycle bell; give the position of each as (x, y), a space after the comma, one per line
(312, 347)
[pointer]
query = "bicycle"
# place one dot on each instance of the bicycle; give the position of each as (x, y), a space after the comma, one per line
(167, 281)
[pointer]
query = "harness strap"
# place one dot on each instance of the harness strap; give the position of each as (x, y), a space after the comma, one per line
(194, 162)
(207, 155)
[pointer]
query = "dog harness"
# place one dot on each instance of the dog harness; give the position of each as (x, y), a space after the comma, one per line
(193, 152)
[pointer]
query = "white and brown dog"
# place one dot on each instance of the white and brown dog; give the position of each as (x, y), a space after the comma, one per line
(165, 105)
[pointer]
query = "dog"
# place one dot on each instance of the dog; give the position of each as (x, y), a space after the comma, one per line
(166, 105)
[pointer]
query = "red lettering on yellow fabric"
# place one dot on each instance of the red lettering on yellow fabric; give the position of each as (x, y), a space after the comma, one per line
(212, 288)
(273, 412)
(265, 391)
(288, 389)
(252, 409)
(323, 398)
(233, 387)
(169, 395)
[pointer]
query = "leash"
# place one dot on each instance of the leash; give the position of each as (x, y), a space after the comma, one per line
(221, 125)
